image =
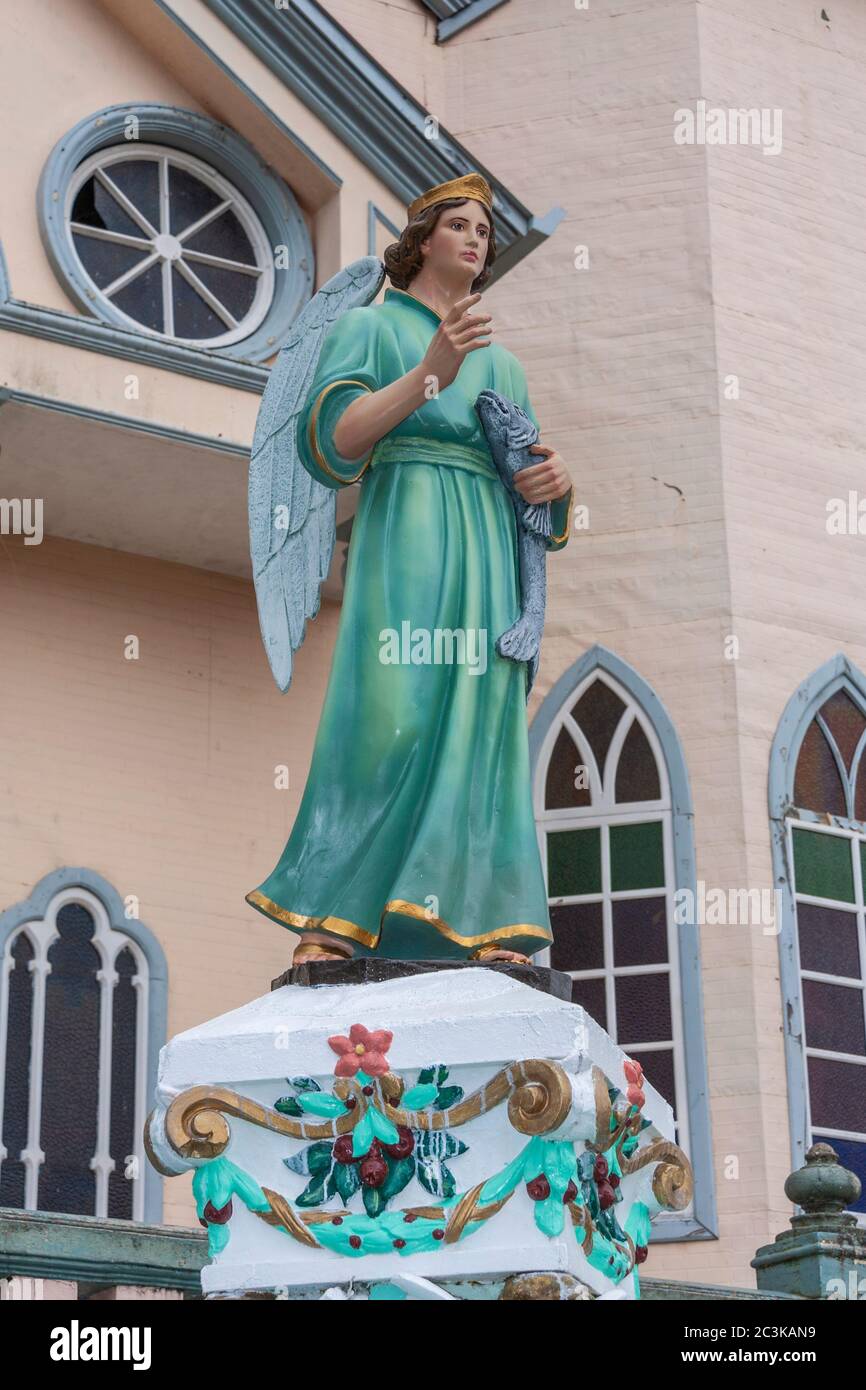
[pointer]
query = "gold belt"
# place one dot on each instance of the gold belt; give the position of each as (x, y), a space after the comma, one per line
(418, 449)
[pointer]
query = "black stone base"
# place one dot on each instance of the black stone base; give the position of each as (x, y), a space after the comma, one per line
(370, 970)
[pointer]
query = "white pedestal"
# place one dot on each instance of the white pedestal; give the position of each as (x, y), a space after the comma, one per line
(538, 1078)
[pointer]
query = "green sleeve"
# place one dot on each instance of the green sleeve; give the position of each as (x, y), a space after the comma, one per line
(350, 365)
(560, 510)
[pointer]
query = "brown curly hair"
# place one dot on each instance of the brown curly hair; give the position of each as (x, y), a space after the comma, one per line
(403, 258)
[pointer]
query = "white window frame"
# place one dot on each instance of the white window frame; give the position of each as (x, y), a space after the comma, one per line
(604, 813)
(164, 244)
(42, 932)
(852, 834)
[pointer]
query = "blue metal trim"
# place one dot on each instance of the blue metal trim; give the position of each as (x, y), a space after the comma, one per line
(836, 674)
(105, 417)
(5, 287)
(35, 908)
(705, 1224)
(285, 132)
(371, 113)
(16, 316)
(225, 151)
(468, 14)
(374, 215)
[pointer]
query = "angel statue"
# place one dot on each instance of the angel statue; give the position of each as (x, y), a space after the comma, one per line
(415, 837)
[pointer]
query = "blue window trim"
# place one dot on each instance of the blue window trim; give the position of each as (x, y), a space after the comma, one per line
(704, 1224)
(839, 673)
(35, 907)
(372, 114)
(456, 15)
(225, 151)
(376, 215)
(72, 330)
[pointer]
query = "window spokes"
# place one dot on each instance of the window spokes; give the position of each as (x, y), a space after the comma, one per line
(127, 204)
(170, 245)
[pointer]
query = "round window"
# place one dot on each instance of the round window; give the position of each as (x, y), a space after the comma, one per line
(169, 244)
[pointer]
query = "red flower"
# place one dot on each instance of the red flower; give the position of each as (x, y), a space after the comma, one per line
(361, 1051)
(634, 1075)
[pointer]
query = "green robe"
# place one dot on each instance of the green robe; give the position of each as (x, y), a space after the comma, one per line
(415, 837)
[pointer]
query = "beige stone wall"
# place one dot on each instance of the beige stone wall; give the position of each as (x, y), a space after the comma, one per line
(159, 772)
(788, 243)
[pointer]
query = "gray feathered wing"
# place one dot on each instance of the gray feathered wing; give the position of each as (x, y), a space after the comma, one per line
(292, 516)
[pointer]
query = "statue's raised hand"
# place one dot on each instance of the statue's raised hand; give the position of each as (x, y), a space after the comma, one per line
(459, 333)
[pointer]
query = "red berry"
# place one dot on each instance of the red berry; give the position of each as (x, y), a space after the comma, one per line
(337, 1221)
(374, 1170)
(438, 1234)
(640, 1254)
(218, 1217)
(606, 1197)
(410, 1216)
(539, 1188)
(399, 1243)
(368, 1090)
(404, 1145)
(355, 1242)
(351, 1102)
(570, 1193)
(614, 1179)
(343, 1150)
(599, 1172)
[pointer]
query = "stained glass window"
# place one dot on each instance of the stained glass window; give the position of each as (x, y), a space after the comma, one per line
(73, 1035)
(606, 840)
(829, 871)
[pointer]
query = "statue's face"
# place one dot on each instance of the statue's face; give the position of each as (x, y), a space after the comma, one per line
(457, 246)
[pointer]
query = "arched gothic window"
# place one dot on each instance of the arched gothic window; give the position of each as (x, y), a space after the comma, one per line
(818, 804)
(613, 812)
(82, 995)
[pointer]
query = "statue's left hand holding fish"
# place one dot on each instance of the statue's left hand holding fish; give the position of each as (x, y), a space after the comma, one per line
(546, 481)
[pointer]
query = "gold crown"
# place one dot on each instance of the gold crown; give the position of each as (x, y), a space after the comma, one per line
(472, 185)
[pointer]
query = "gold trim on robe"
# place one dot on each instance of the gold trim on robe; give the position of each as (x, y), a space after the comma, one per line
(567, 532)
(313, 434)
(340, 926)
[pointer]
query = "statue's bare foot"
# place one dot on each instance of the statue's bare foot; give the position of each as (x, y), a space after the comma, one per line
(495, 953)
(318, 950)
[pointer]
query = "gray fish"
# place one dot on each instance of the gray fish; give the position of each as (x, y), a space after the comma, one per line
(510, 432)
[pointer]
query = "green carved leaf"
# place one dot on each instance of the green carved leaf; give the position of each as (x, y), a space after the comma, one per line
(304, 1083)
(318, 1103)
(383, 1128)
(362, 1136)
(437, 1143)
(313, 1160)
(419, 1096)
(313, 1194)
(347, 1180)
(288, 1105)
(400, 1171)
(505, 1181)
(435, 1177)
(374, 1202)
(426, 1075)
(448, 1096)
(441, 1074)
(550, 1215)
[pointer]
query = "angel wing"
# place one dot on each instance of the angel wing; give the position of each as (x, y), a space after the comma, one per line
(293, 517)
